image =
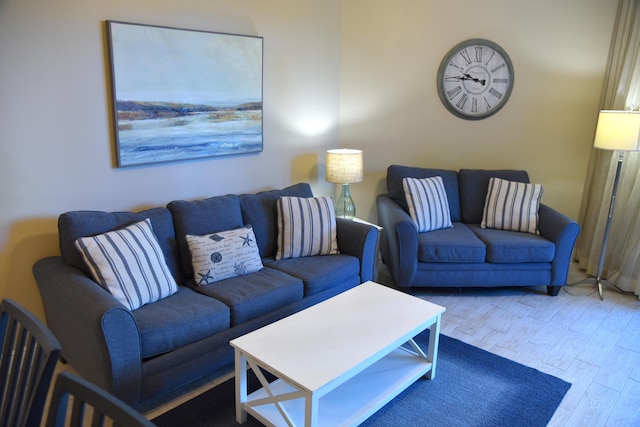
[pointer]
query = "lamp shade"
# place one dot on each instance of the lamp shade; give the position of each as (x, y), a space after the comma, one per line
(344, 166)
(618, 130)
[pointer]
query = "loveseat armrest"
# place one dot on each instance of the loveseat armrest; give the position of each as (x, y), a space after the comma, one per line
(99, 336)
(399, 244)
(359, 240)
(563, 231)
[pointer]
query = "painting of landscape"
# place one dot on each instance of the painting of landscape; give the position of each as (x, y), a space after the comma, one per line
(184, 94)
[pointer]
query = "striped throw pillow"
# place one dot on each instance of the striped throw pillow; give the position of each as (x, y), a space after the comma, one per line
(512, 205)
(428, 203)
(129, 264)
(306, 227)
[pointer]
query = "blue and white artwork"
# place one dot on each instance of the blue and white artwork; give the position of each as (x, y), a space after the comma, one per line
(184, 94)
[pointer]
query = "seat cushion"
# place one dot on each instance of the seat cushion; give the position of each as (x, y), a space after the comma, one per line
(259, 210)
(183, 318)
(254, 294)
(514, 247)
(456, 244)
(319, 273)
(396, 173)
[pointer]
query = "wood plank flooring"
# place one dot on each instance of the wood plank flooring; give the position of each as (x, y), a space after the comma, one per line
(593, 344)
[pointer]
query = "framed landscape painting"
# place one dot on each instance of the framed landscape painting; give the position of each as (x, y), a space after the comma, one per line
(184, 94)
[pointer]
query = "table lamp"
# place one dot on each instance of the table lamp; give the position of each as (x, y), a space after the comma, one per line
(344, 166)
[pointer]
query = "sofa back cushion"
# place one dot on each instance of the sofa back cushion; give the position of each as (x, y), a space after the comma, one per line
(396, 173)
(474, 184)
(260, 211)
(76, 224)
(200, 217)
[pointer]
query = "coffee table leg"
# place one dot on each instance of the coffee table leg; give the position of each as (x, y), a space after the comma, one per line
(434, 341)
(311, 410)
(241, 386)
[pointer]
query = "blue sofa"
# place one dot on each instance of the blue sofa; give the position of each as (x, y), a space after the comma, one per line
(157, 352)
(467, 255)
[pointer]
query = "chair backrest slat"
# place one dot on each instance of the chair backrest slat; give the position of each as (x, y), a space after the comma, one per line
(90, 405)
(29, 353)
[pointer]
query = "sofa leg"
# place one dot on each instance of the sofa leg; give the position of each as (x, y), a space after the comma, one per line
(553, 290)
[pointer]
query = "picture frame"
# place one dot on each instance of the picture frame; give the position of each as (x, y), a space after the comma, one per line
(182, 94)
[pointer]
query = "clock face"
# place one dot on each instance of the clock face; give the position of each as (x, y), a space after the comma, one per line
(475, 79)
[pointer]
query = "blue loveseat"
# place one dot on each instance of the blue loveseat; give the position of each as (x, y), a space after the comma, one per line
(467, 255)
(154, 353)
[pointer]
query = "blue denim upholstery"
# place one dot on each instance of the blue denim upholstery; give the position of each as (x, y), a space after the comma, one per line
(467, 255)
(148, 356)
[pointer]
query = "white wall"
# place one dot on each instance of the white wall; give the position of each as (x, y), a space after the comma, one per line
(390, 106)
(56, 139)
(355, 73)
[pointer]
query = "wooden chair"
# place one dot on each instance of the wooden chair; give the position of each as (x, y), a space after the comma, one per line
(28, 357)
(90, 405)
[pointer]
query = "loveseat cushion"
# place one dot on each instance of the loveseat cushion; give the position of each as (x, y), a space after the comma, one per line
(259, 210)
(513, 246)
(395, 174)
(76, 224)
(181, 319)
(474, 184)
(319, 273)
(457, 244)
(254, 294)
(200, 217)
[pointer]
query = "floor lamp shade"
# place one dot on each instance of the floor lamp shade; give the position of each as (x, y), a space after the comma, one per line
(618, 130)
(344, 166)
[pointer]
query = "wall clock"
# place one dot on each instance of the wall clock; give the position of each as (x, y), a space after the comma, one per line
(475, 79)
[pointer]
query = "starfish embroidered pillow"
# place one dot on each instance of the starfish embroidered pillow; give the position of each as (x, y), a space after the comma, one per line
(222, 255)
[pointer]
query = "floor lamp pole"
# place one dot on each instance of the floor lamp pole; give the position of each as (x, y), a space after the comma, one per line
(607, 228)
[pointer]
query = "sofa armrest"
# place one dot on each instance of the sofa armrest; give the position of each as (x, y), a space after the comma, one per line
(99, 336)
(399, 244)
(563, 231)
(359, 240)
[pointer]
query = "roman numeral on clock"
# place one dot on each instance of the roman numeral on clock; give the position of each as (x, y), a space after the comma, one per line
(454, 92)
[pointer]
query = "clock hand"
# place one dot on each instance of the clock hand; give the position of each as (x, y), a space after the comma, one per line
(469, 77)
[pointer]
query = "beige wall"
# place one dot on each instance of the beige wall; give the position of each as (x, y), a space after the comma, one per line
(357, 73)
(390, 106)
(56, 138)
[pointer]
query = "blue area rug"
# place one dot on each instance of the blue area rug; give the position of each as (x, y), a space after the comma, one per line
(472, 387)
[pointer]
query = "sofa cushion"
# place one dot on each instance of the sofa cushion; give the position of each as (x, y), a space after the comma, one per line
(76, 224)
(254, 294)
(306, 227)
(178, 320)
(224, 254)
(129, 263)
(512, 205)
(473, 190)
(428, 204)
(457, 244)
(200, 217)
(396, 173)
(514, 247)
(259, 210)
(319, 273)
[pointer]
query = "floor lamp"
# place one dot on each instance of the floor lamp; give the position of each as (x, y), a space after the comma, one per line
(344, 166)
(619, 131)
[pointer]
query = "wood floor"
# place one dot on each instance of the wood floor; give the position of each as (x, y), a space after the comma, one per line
(593, 344)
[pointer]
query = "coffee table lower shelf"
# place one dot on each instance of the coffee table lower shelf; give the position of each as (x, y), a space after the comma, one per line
(351, 402)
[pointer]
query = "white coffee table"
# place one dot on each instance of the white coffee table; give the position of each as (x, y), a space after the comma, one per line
(339, 361)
